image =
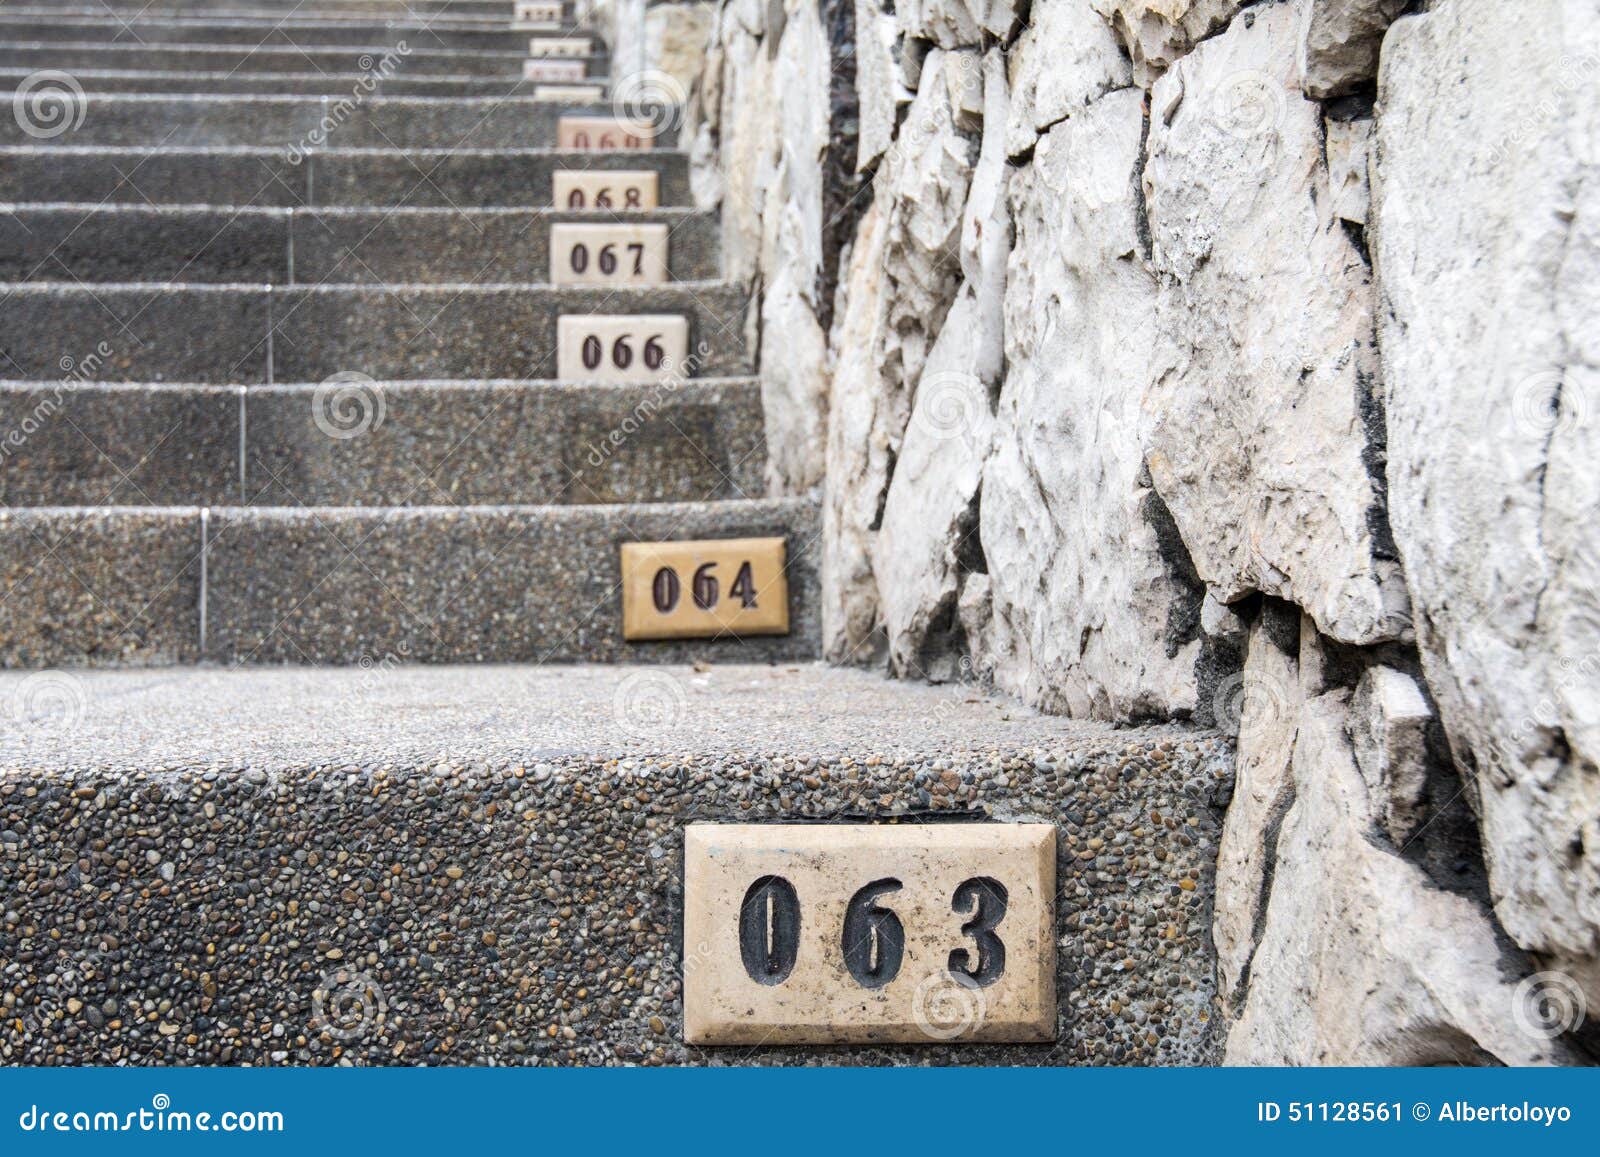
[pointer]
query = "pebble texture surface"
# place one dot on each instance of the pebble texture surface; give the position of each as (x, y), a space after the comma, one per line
(483, 866)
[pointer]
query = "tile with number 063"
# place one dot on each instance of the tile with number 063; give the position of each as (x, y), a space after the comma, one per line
(554, 70)
(703, 590)
(546, 47)
(604, 189)
(603, 132)
(622, 349)
(582, 254)
(850, 933)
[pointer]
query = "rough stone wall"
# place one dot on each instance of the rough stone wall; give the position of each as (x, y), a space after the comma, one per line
(1235, 363)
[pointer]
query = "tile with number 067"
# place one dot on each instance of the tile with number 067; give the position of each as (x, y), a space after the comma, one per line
(622, 349)
(582, 254)
(545, 47)
(603, 132)
(854, 933)
(604, 189)
(703, 590)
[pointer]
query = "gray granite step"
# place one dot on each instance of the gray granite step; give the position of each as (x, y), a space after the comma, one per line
(418, 443)
(243, 334)
(126, 243)
(283, 31)
(329, 84)
(78, 57)
(294, 124)
(347, 585)
(344, 177)
(397, 833)
(375, 9)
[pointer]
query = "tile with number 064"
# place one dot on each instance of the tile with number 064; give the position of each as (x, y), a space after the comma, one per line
(703, 590)
(608, 254)
(603, 132)
(622, 349)
(604, 189)
(554, 70)
(854, 933)
(545, 47)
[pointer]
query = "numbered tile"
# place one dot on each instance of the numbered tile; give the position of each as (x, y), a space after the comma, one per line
(635, 349)
(603, 132)
(545, 47)
(538, 10)
(700, 590)
(604, 189)
(569, 92)
(556, 70)
(608, 254)
(849, 933)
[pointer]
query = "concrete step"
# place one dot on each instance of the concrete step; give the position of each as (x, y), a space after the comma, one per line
(77, 57)
(296, 122)
(238, 334)
(500, 10)
(330, 177)
(486, 864)
(343, 585)
(328, 84)
(415, 443)
(283, 31)
(127, 243)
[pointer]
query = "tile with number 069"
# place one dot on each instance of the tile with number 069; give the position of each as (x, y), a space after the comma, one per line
(603, 132)
(702, 590)
(854, 933)
(554, 70)
(546, 47)
(604, 189)
(608, 254)
(622, 349)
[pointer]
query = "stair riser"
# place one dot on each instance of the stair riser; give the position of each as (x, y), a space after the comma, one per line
(263, 177)
(291, 84)
(75, 59)
(286, 34)
(334, 9)
(240, 335)
(489, 445)
(308, 247)
(296, 125)
(347, 587)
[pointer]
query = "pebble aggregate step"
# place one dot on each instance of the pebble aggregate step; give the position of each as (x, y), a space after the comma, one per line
(285, 32)
(124, 243)
(326, 177)
(88, 57)
(511, 837)
(338, 9)
(402, 444)
(343, 585)
(329, 84)
(392, 122)
(240, 334)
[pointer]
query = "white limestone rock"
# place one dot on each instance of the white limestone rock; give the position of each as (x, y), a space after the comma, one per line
(1157, 32)
(1261, 381)
(1066, 58)
(1346, 144)
(1362, 961)
(1389, 721)
(1339, 43)
(1486, 243)
(675, 40)
(1081, 584)
(879, 93)
(957, 23)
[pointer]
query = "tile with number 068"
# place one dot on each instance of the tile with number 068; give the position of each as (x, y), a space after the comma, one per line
(604, 189)
(622, 349)
(608, 254)
(853, 933)
(545, 47)
(703, 590)
(554, 70)
(603, 132)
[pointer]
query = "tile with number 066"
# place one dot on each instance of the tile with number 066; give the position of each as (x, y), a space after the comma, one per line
(603, 132)
(702, 590)
(545, 47)
(554, 70)
(622, 349)
(608, 254)
(604, 189)
(850, 933)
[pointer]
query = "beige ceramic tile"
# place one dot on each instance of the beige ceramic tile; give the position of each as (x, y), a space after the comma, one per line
(569, 92)
(554, 70)
(603, 132)
(850, 933)
(604, 189)
(608, 254)
(540, 10)
(544, 47)
(694, 590)
(622, 348)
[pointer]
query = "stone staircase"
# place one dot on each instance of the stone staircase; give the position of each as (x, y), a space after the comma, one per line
(280, 345)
